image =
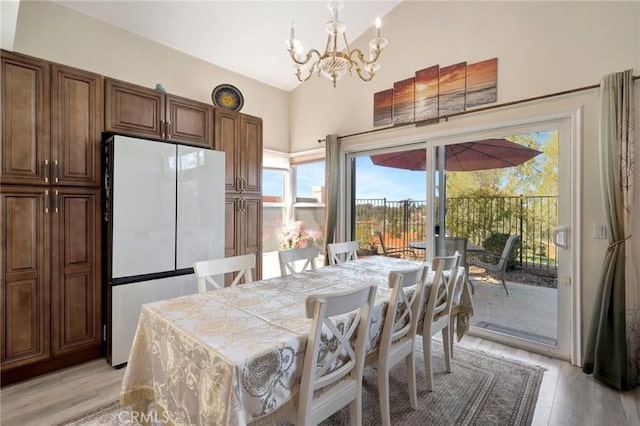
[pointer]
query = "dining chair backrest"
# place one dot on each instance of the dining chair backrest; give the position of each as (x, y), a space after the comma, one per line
(438, 310)
(441, 290)
(342, 252)
(456, 244)
(399, 333)
(208, 270)
(401, 319)
(290, 259)
(325, 364)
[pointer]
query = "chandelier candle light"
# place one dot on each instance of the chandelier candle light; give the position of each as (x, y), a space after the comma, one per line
(335, 63)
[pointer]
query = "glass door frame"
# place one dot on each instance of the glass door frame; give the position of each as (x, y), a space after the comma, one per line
(568, 123)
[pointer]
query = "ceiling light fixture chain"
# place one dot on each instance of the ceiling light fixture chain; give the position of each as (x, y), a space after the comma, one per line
(334, 63)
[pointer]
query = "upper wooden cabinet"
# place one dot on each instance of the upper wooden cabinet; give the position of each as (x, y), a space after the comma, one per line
(138, 111)
(26, 149)
(76, 126)
(240, 137)
(51, 123)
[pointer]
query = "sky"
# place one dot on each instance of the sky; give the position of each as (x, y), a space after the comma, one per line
(387, 182)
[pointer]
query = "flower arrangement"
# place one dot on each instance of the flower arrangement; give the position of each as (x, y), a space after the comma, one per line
(293, 235)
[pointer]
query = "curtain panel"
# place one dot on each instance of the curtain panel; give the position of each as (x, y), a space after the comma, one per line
(332, 187)
(612, 353)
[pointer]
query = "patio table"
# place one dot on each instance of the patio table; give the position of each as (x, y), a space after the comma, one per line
(234, 356)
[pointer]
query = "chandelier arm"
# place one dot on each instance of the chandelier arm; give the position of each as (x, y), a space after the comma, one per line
(308, 56)
(362, 59)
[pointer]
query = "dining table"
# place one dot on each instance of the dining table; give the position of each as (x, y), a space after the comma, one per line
(233, 356)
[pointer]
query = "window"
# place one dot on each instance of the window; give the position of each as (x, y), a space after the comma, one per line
(309, 207)
(274, 207)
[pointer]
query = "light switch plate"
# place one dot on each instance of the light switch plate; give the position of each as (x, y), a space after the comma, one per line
(599, 231)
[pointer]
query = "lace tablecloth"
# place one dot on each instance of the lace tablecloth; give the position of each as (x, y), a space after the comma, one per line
(232, 356)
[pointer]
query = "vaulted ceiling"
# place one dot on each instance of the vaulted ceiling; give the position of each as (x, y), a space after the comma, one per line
(246, 37)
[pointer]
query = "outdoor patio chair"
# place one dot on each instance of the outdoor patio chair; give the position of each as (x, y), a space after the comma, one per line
(394, 251)
(500, 267)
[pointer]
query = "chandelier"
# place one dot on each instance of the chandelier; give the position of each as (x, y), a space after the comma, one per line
(335, 62)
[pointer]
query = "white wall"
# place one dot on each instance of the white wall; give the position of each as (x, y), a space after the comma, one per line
(52, 32)
(542, 48)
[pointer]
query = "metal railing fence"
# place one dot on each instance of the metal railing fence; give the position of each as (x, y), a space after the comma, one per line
(477, 218)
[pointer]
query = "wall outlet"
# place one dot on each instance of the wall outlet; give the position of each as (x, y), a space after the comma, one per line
(599, 232)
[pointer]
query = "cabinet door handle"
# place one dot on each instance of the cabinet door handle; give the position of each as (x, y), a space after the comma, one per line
(46, 171)
(46, 202)
(239, 184)
(162, 128)
(168, 130)
(57, 170)
(57, 202)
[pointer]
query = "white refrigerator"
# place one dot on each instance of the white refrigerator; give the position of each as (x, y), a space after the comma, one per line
(164, 210)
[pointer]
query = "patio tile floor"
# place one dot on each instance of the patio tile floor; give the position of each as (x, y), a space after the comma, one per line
(528, 311)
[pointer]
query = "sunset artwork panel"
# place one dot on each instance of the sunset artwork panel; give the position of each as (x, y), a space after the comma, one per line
(403, 101)
(482, 83)
(426, 93)
(452, 84)
(382, 108)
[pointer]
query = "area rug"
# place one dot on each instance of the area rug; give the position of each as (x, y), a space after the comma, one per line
(482, 389)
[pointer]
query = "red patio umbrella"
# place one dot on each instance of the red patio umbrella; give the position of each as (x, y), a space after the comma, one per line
(463, 157)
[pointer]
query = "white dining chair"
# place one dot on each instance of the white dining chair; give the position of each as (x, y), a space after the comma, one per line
(461, 281)
(438, 311)
(399, 334)
(208, 270)
(290, 260)
(332, 373)
(342, 252)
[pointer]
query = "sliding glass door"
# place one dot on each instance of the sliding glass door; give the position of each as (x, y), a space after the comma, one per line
(471, 194)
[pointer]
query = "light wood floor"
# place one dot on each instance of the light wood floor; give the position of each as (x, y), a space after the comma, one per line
(567, 396)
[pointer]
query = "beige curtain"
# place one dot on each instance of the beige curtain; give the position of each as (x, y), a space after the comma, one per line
(332, 187)
(612, 353)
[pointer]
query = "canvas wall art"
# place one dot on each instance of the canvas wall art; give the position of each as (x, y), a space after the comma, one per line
(452, 88)
(382, 108)
(426, 93)
(403, 101)
(482, 83)
(436, 92)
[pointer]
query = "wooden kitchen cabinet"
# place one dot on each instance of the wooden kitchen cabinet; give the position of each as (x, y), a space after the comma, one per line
(50, 185)
(51, 297)
(25, 120)
(137, 111)
(51, 123)
(240, 137)
(24, 296)
(76, 126)
(75, 280)
(243, 231)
